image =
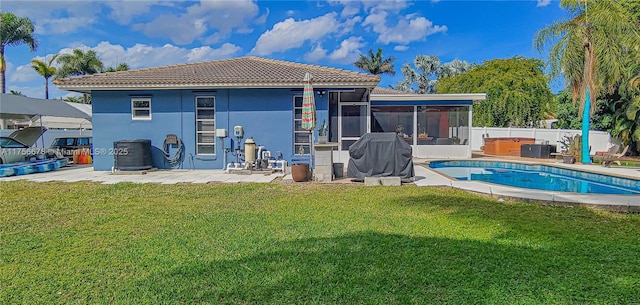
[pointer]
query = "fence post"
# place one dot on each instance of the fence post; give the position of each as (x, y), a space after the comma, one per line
(533, 133)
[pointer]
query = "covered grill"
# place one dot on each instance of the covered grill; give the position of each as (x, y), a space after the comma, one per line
(380, 155)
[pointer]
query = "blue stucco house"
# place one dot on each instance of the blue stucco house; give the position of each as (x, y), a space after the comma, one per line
(200, 102)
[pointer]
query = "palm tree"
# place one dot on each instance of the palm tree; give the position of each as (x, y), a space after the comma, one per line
(590, 51)
(120, 67)
(453, 68)
(14, 31)
(14, 92)
(79, 63)
(375, 63)
(421, 76)
(45, 69)
(75, 99)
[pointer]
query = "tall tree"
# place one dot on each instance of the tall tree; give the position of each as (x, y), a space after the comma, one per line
(14, 31)
(453, 68)
(79, 63)
(626, 111)
(120, 67)
(376, 64)
(46, 70)
(428, 70)
(517, 90)
(14, 92)
(420, 80)
(77, 99)
(589, 51)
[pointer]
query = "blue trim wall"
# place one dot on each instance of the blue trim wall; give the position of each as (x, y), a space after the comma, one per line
(265, 114)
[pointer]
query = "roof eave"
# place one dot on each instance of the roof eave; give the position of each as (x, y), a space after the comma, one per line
(429, 97)
(89, 88)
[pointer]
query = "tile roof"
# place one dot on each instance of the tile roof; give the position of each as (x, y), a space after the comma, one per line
(242, 72)
(380, 90)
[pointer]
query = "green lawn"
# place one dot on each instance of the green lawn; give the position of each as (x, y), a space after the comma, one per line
(87, 243)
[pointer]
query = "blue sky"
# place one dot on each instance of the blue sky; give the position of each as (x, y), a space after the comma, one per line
(330, 33)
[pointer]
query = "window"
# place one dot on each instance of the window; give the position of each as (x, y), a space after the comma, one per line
(141, 109)
(301, 137)
(443, 125)
(398, 119)
(205, 125)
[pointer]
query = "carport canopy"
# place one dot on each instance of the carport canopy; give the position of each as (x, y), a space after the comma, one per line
(21, 107)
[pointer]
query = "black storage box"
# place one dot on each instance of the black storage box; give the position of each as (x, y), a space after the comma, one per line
(540, 151)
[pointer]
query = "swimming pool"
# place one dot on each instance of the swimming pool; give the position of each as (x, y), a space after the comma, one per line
(537, 176)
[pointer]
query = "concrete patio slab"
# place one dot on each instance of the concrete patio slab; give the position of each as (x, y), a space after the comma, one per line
(86, 173)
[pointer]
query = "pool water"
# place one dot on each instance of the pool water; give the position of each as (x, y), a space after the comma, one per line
(541, 177)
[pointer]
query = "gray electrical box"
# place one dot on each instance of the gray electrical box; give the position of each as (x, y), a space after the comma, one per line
(221, 133)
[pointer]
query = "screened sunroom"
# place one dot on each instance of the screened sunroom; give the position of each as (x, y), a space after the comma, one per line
(435, 125)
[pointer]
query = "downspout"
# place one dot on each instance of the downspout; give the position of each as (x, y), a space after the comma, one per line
(182, 123)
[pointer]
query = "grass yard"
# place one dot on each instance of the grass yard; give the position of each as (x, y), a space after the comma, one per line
(87, 243)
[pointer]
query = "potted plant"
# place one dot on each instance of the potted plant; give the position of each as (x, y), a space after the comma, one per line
(322, 132)
(571, 148)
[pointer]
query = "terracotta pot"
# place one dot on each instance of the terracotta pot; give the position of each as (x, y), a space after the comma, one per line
(300, 172)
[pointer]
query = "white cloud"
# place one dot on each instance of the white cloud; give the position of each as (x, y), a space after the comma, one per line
(349, 50)
(180, 30)
(400, 48)
(262, 19)
(349, 24)
(143, 56)
(377, 21)
(386, 5)
(543, 3)
(289, 34)
(64, 25)
(411, 28)
(23, 73)
(55, 17)
(123, 11)
(316, 54)
(350, 7)
(208, 53)
(199, 19)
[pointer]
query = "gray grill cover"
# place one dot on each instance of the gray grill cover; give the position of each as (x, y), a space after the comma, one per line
(380, 155)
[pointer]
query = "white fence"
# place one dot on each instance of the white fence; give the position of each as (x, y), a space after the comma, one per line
(598, 140)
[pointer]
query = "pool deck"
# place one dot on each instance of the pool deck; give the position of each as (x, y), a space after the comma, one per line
(425, 177)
